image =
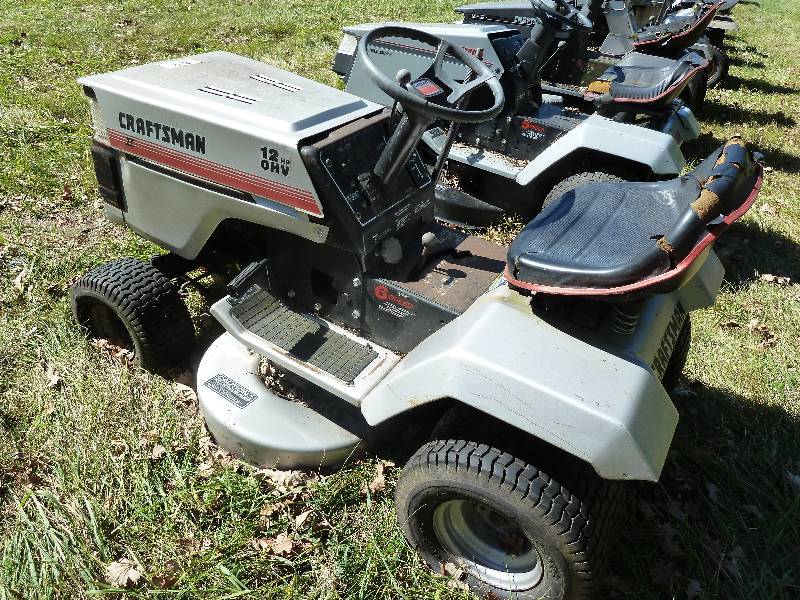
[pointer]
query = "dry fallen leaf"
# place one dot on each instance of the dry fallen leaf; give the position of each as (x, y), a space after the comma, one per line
(283, 480)
(119, 447)
(777, 279)
(455, 574)
(767, 209)
(378, 483)
(122, 573)
(19, 280)
(169, 575)
(185, 394)
(54, 380)
(158, 451)
(301, 518)
(205, 469)
(192, 545)
(283, 544)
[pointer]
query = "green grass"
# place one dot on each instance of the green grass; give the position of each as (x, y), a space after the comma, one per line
(80, 484)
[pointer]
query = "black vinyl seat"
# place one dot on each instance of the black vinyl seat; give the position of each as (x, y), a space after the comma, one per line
(634, 80)
(607, 235)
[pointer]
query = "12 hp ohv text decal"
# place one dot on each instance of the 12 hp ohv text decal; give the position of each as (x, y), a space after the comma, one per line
(273, 162)
(162, 133)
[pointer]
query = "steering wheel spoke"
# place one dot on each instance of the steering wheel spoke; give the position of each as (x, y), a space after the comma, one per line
(462, 89)
(415, 102)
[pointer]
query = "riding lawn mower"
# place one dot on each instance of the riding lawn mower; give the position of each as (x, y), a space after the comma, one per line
(626, 125)
(546, 361)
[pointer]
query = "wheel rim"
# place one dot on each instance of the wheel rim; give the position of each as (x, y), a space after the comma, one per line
(104, 323)
(489, 546)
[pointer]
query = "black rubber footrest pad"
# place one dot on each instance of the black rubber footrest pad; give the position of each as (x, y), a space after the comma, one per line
(305, 338)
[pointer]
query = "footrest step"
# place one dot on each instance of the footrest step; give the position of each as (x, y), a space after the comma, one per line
(305, 338)
(320, 352)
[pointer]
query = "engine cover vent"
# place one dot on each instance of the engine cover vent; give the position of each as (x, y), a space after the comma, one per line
(277, 83)
(229, 95)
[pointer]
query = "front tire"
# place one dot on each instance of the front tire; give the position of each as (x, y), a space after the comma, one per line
(516, 531)
(575, 181)
(132, 304)
(718, 69)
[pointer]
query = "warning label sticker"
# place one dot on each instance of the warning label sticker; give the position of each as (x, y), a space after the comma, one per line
(230, 390)
(392, 303)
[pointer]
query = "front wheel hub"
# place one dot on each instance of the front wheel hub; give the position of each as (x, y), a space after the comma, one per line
(489, 546)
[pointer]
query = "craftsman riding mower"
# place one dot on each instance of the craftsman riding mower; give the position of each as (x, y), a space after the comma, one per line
(576, 60)
(671, 32)
(625, 126)
(545, 360)
(720, 25)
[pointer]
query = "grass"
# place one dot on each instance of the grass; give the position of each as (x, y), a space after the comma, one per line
(100, 462)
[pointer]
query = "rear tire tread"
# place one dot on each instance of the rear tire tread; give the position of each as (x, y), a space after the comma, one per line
(146, 302)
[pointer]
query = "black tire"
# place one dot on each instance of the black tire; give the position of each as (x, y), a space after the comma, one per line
(718, 69)
(694, 94)
(456, 490)
(134, 305)
(576, 181)
(677, 362)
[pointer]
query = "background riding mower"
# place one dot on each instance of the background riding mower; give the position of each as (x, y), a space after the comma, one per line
(584, 55)
(550, 376)
(687, 26)
(538, 146)
(714, 36)
(576, 62)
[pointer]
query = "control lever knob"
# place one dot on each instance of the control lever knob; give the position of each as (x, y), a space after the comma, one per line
(391, 251)
(403, 77)
(429, 239)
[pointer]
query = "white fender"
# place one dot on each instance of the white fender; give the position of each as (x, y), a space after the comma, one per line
(656, 150)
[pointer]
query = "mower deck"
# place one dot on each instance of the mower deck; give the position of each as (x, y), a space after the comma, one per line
(258, 425)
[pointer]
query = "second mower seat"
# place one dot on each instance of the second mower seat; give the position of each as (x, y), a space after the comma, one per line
(610, 235)
(642, 78)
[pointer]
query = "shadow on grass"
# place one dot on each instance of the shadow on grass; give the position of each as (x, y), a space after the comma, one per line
(721, 113)
(748, 251)
(779, 160)
(724, 511)
(731, 82)
(739, 61)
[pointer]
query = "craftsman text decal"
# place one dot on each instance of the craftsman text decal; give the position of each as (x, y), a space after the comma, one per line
(163, 133)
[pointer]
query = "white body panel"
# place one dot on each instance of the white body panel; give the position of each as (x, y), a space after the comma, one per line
(180, 216)
(653, 148)
(226, 118)
(258, 426)
(596, 401)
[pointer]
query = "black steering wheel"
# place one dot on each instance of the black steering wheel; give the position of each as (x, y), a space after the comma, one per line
(564, 13)
(414, 99)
